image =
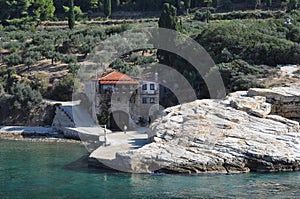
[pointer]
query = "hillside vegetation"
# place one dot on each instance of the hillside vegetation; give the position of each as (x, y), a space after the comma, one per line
(40, 59)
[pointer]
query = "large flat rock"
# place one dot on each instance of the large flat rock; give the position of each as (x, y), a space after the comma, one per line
(217, 136)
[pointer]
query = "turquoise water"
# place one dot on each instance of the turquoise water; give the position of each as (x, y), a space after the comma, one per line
(55, 170)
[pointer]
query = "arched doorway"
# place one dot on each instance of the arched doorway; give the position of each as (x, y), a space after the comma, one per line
(118, 119)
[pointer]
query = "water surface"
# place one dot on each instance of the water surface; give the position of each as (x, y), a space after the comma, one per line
(59, 170)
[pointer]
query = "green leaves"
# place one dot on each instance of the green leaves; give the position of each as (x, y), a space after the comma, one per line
(23, 97)
(168, 18)
(107, 8)
(23, 12)
(71, 15)
(255, 41)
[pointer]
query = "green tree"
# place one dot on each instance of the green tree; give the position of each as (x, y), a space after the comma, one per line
(41, 10)
(226, 5)
(14, 9)
(115, 4)
(215, 3)
(71, 15)
(94, 4)
(77, 12)
(25, 11)
(257, 3)
(168, 18)
(107, 8)
(208, 14)
(40, 82)
(187, 4)
(64, 88)
(269, 3)
(24, 97)
(12, 59)
(292, 4)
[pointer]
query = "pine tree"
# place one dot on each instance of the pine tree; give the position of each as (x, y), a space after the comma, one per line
(107, 8)
(71, 15)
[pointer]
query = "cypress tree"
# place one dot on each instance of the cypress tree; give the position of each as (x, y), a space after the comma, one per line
(269, 3)
(215, 3)
(168, 18)
(187, 4)
(107, 8)
(207, 10)
(71, 15)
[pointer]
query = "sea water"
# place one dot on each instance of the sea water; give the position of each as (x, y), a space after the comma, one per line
(60, 170)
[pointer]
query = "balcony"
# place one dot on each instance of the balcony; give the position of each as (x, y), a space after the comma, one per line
(149, 92)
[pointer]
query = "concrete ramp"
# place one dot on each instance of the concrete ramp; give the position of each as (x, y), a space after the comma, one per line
(119, 142)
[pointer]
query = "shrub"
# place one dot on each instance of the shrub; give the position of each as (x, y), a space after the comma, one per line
(12, 59)
(29, 62)
(24, 97)
(40, 82)
(141, 60)
(294, 34)
(239, 75)
(13, 46)
(64, 88)
(85, 49)
(257, 42)
(71, 58)
(73, 68)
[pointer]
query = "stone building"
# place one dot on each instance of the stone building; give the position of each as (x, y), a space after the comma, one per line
(128, 101)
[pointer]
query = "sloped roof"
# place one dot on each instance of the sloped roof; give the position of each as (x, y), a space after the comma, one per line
(115, 77)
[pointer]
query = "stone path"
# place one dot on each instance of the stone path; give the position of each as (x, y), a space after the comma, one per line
(119, 141)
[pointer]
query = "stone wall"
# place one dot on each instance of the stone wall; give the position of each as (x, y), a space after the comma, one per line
(62, 119)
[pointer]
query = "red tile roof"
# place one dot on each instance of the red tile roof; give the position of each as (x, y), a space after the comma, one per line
(117, 78)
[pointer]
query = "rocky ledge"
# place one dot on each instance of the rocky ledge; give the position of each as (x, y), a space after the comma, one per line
(234, 135)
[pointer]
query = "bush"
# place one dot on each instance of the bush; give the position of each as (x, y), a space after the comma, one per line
(29, 62)
(257, 42)
(64, 88)
(40, 82)
(202, 15)
(13, 46)
(73, 68)
(239, 75)
(12, 59)
(71, 58)
(141, 60)
(294, 34)
(24, 97)
(7, 77)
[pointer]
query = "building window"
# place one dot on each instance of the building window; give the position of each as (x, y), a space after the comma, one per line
(144, 100)
(152, 87)
(152, 100)
(145, 87)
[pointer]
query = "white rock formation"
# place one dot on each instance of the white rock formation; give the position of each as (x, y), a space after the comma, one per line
(234, 135)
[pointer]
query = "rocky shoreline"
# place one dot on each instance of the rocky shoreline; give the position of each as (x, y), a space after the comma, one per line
(238, 134)
(33, 134)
